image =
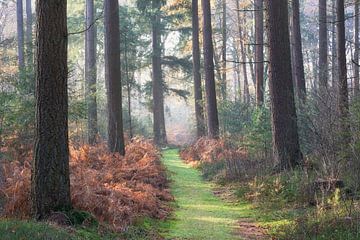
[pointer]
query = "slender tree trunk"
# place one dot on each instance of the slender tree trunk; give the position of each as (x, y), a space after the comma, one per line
(284, 120)
(50, 175)
(342, 71)
(333, 47)
(20, 34)
(211, 102)
(199, 110)
(29, 40)
(259, 51)
(298, 54)
(158, 86)
(224, 51)
(90, 72)
(113, 77)
(323, 46)
(356, 51)
(244, 60)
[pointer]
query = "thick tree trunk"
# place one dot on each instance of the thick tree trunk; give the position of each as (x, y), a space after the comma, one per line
(356, 51)
(199, 110)
(113, 77)
(20, 34)
(342, 71)
(259, 51)
(211, 102)
(90, 72)
(224, 52)
(50, 175)
(298, 54)
(323, 47)
(284, 121)
(158, 86)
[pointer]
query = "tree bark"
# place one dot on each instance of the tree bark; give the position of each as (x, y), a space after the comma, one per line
(298, 54)
(90, 72)
(323, 47)
(284, 120)
(199, 110)
(211, 102)
(20, 34)
(50, 174)
(356, 51)
(158, 85)
(259, 51)
(342, 71)
(113, 77)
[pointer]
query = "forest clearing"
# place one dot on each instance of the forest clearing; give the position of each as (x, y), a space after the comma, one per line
(180, 119)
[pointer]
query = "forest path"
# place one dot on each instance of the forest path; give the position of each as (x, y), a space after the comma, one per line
(199, 213)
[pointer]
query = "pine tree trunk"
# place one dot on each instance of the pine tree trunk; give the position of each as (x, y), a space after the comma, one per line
(90, 72)
(199, 110)
(298, 54)
(284, 120)
(323, 47)
(113, 77)
(342, 71)
(211, 102)
(259, 51)
(50, 175)
(333, 48)
(20, 35)
(158, 86)
(29, 40)
(356, 52)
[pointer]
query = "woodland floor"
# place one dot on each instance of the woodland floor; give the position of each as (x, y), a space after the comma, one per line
(203, 210)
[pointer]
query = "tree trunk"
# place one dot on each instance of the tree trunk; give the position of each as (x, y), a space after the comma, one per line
(333, 48)
(128, 87)
(284, 120)
(199, 110)
(158, 86)
(356, 52)
(20, 34)
(90, 72)
(29, 40)
(211, 102)
(50, 175)
(342, 71)
(113, 77)
(224, 52)
(323, 47)
(244, 59)
(298, 54)
(259, 51)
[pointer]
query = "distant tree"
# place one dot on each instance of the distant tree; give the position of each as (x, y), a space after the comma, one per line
(199, 110)
(113, 77)
(224, 50)
(50, 174)
(90, 71)
(29, 36)
(211, 102)
(356, 47)
(284, 120)
(20, 34)
(323, 46)
(259, 51)
(298, 52)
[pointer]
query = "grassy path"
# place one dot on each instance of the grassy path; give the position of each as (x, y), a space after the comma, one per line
(199, 214)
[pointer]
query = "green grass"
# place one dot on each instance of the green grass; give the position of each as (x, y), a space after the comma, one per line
(198, 214)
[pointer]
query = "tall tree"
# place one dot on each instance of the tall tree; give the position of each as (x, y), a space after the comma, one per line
(259, 51)
(211, 102)
(224, 50)
(113, 77)
(284, 120)
(50, 175)
(90, 71)
(199, 110)
(20, 34)
(342, 73)
(29, 37)
(158, 85)
(356, 51)
(333, 47)
(298, 54)
(323, 46)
